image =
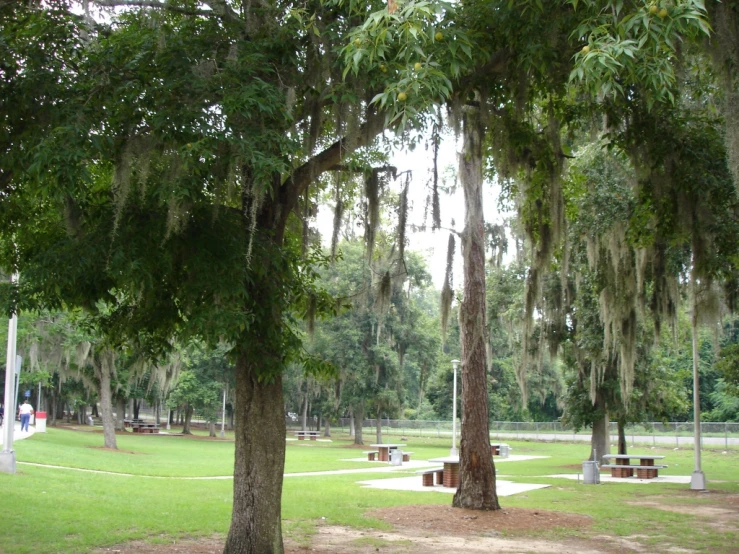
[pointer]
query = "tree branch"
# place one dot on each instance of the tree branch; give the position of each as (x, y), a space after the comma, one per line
(304, 175)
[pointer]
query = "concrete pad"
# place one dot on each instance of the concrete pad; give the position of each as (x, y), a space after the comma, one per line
(503, 488)
(517, 458)
(676, 479)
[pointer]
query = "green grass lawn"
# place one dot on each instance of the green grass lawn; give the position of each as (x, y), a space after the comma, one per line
(57, 510)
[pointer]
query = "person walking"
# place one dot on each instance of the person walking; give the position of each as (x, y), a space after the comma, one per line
(25, 410)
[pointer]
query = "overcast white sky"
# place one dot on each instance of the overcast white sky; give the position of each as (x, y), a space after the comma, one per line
(432, 244)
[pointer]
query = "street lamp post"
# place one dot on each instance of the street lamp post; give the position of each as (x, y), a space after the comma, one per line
(223, 415)
(697, 478)
(453, 451)
(7, 456)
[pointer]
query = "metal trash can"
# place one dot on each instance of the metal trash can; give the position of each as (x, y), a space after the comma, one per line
(590, 473)
(504, 450)
(41, 422)
(396, 457)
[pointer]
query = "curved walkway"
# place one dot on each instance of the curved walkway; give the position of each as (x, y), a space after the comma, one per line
(17, 434)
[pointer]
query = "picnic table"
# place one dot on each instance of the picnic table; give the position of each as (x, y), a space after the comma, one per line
(450, 472)
(132, 422)
(645, 469)
(312, 435)
(144, 427)
(383, 451)
(497, 447)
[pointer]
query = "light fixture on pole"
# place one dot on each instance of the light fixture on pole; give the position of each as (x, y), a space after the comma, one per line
(7, 456)
(453, 451)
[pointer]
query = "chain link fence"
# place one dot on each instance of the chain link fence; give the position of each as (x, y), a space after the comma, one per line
(678, 434)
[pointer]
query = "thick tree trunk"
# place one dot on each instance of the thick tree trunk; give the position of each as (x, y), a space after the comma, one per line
(260, 460)
(120, 413)
(476, 470)
(378, 427)
(621, 437)
(326, 427)
(186, 423)
(351, 423)
(211, 428)
(158, 412)
(358, 420)
(136, 407)
(599, 442)
(107, 360)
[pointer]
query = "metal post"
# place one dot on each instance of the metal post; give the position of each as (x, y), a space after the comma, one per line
(223, 414)
(697, 478)
(7, 456)
(453, 451)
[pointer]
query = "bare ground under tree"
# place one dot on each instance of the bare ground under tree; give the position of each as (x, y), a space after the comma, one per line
(421, 529)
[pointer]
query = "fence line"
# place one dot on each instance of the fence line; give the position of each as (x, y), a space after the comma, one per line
(679, 434)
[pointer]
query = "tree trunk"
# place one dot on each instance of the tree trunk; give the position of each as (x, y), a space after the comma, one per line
(326, 428)
(477, 488)
(211, 428)
(358, 420)
(260, 461)
(120, 412)
(621, 437)
(130, 408)
(107, 359)
(136, 408)
(599, 442)
(186, 423)
(378, 427)
(304, 415)
(158, 412)
(351, 423)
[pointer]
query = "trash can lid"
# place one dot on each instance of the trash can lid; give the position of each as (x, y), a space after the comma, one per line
(40, 414)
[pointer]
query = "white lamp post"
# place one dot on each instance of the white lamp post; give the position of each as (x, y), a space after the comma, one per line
(697, 478)
(223, 414)
(7, 456)
(453, 451)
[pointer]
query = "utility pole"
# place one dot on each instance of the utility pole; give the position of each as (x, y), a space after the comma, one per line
(7, 456)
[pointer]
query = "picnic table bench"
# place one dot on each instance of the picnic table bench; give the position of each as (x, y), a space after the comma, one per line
(645, 469)
(131, 422)
(427, 476)
(313, 435)
(450, 472)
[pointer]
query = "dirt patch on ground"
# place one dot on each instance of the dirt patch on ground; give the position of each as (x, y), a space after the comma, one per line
(116, 450)
(457, 521)
(722, 514)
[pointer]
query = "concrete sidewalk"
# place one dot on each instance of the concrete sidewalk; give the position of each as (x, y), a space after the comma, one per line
(17, 434)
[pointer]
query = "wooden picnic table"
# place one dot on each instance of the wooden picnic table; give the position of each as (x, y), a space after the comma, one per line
(144, 428)
(383, 451)
(645, 469)
(450, 476)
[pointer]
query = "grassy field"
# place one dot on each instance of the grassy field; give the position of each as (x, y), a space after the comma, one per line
(59, 510)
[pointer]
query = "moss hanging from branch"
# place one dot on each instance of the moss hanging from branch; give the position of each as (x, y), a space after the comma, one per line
(403, 217)
(338, 215)
(447, 290)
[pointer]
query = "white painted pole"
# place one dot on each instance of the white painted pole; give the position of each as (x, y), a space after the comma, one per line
(7, 456)
(697, 478)
(453, 451)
